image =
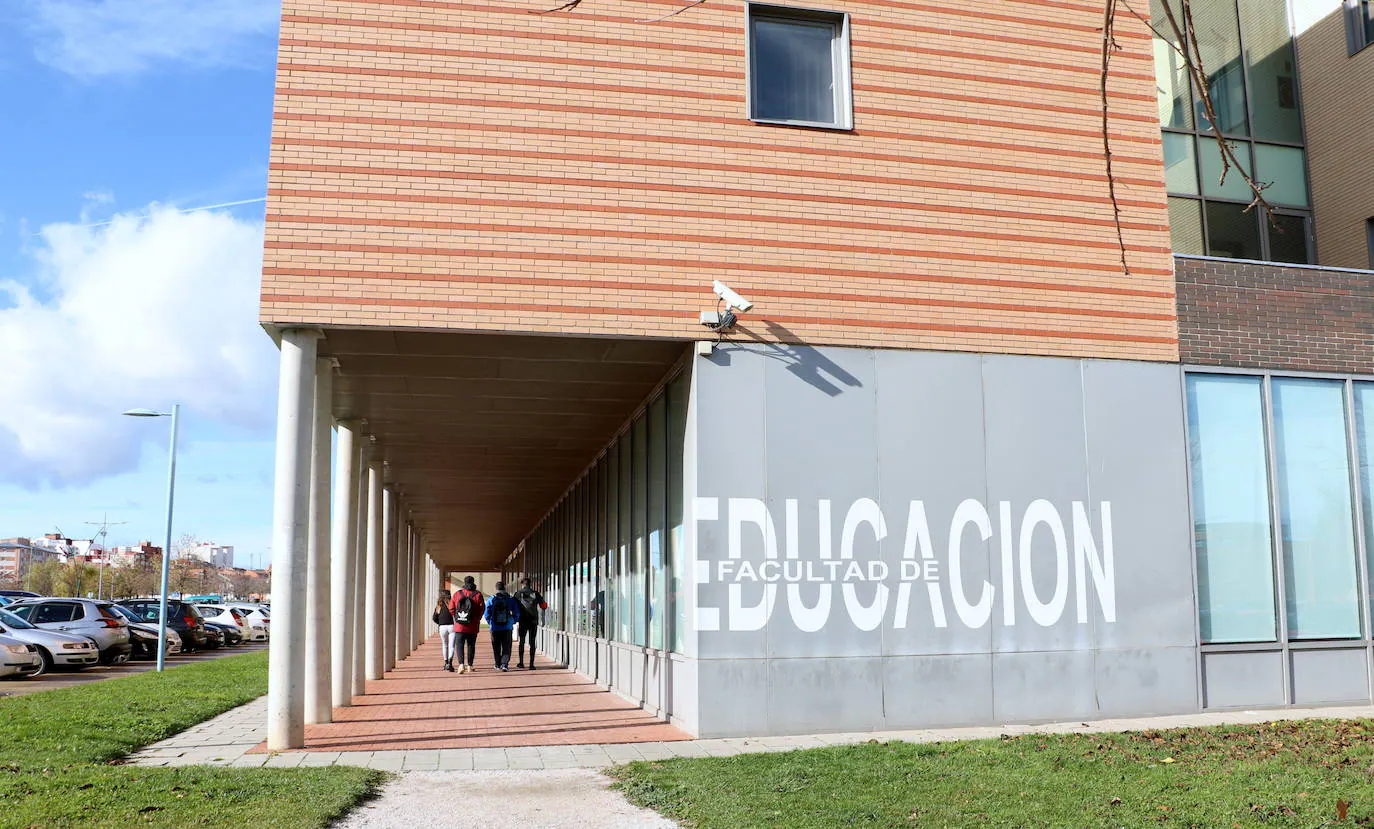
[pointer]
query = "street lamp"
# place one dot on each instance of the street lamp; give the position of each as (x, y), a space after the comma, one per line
(166, 550)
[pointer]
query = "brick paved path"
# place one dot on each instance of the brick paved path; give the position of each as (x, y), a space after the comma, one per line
(420, 706)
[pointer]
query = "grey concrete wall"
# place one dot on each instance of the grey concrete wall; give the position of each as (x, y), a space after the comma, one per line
(892, 539)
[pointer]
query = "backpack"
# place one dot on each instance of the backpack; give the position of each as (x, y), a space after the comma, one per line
(465, 608)
(500, 611)
(529, 600)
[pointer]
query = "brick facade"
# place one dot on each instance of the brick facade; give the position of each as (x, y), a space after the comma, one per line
(1281, 317)
(478, 167)
(1338, 116)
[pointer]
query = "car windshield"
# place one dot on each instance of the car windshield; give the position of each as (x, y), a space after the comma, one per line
(16, 622)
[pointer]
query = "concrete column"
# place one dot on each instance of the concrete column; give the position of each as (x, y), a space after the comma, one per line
(290, 539)
(344, 565)
(388, 604)
(402, 609)
(374, 603)
(421, 595)
(359, 603)
(318, 650)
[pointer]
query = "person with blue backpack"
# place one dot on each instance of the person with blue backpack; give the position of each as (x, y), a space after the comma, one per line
(502, 612)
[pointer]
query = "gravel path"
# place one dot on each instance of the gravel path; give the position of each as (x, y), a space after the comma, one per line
(556, 799)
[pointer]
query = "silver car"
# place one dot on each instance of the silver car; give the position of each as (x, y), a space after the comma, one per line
(62, 650)
(84, 617)
(18, 658)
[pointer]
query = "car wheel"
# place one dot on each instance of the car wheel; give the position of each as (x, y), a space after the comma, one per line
(47, 662)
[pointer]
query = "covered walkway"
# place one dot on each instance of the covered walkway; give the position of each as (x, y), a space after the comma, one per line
(418, 705)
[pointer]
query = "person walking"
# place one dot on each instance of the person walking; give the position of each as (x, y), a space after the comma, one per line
(443, 617)
(531, 601)
(502, 612)
(466, 608)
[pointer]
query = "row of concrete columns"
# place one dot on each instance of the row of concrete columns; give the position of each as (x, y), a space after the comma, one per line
(351, 581)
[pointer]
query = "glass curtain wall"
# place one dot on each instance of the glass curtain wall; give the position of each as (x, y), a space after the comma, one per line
(1246, 51)
(609, 556)
(1281, 504)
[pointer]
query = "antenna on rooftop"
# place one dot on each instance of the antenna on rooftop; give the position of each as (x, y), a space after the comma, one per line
(104, 523)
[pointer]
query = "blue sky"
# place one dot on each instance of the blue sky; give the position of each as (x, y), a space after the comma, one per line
(120, 114)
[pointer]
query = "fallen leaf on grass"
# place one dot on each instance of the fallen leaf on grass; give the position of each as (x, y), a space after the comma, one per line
(1342, 809)
(1167, 760)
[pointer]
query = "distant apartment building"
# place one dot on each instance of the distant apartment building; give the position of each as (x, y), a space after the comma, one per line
(18, 554)
(216, 555)
(142, 554)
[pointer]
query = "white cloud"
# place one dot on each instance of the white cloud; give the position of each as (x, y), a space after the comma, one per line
(142, 312)
(90, 38)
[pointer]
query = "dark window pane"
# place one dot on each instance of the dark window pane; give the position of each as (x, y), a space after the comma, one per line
(1232, 232)
(1185, 226)
(1273, 84)
(1218, 36)
(1288, 239)
(1369, 239)
(794, 70)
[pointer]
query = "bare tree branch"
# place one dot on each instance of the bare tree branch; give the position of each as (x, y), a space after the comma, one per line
(1109, 45)
(690, 5)
(1185, 43)
(566, 7)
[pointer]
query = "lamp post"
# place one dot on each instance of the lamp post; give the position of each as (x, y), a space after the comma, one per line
(166, 550)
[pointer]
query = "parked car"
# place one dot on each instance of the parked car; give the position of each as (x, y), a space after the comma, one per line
(181, 617)
(256, 614)
(18, 658)
(57, 650)
(91, 618)
(143, 637)
(21, 594)
(231, 634)
(251, 630)
(214, 637)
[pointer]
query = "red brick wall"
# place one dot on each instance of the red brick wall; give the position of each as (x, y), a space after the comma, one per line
(475, 166)
(1250, 315)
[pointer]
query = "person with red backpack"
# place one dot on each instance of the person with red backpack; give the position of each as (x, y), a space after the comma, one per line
(467, 607)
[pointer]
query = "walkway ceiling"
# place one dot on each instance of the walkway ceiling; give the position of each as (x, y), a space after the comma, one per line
(481, 433)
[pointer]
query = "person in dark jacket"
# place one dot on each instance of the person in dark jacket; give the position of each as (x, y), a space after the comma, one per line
(531, 601)
(502, 612)
(466, 608)
(443, 617)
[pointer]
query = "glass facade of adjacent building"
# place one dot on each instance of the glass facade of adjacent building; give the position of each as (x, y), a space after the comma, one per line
(1246, 50)
(1282, 508)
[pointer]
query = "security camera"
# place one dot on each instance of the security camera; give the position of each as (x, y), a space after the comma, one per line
(731, 299)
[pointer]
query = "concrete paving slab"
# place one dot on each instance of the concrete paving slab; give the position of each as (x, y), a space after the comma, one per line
(559, 799)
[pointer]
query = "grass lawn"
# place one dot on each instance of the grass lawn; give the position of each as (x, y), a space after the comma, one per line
(59, 757)
(1302, 773)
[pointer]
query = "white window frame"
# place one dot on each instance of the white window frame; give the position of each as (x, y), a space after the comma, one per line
(839, 54)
